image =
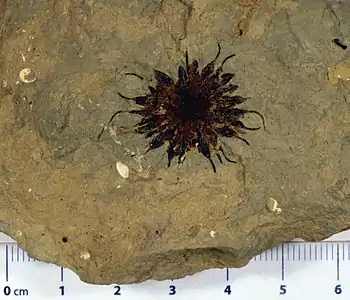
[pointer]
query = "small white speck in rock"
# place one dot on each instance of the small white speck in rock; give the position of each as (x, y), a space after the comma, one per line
(212, 233)
(80, 106)
(85, 255)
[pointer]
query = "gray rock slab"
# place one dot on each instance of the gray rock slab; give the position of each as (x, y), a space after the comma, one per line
(61, 195)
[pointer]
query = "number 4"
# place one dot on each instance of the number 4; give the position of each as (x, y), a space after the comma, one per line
(227, 290)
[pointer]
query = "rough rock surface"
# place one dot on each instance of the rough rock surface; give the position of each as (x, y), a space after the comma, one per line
(62, 197)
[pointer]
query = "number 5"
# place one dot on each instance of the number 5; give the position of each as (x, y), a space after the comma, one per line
(283, 289)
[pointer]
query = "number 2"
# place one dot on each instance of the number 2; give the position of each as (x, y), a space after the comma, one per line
(117, 290)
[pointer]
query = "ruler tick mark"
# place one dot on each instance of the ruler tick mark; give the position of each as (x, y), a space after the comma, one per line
(61, 274)
(315, 251)
(7, 263)
(227, 275)
(337, 261)
(310, 256)
(282, 249)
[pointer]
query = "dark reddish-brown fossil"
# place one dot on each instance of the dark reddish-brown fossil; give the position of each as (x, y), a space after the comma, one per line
(191, 112)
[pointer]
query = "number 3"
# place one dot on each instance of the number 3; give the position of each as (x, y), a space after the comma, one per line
(172, 289)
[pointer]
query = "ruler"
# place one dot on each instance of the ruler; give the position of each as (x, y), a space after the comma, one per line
(296, 270)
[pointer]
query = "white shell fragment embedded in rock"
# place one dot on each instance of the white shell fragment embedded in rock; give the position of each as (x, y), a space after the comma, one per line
(27, 75)
(122, 169)
(339, 72)
(272, 206)
(85, 255)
